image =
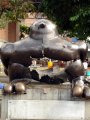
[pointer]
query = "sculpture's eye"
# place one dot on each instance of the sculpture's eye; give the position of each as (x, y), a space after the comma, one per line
(42, 25)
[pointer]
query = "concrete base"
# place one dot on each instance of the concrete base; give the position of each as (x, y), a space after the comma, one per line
(46, 109)
(45, 102)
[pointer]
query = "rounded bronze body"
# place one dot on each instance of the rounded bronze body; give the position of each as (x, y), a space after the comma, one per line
(8, 89)
(77, 91)
(20, 87)
(43, 41)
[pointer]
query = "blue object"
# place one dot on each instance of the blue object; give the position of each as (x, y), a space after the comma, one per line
(88, 73)
(1, 85)
(74, 39)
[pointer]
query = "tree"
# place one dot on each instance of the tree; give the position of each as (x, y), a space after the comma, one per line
(81, 20)
(14, 10)
(69, 15)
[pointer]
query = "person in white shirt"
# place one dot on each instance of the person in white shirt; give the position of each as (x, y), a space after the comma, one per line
(85, 64)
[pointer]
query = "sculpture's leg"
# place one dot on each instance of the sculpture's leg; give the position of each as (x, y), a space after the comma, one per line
(19, 75)
(75, 70)
(75, 74)
(18, 71)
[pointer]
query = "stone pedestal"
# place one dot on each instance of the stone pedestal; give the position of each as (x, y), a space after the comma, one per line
(45, 102)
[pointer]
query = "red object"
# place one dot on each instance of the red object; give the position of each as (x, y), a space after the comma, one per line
(62, 64)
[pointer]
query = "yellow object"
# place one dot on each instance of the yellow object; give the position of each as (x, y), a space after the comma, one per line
(50, 64)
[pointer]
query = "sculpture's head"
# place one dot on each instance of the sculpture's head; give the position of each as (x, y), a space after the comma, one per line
(43, 29)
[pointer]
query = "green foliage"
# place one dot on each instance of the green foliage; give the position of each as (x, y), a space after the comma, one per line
(81, 22)
(3, 21)
(72, 16)
(24, 29)
(15, 11)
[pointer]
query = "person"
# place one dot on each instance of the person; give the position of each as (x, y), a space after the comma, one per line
(85, 64)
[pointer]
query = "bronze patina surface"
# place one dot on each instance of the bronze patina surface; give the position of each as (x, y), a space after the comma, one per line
(43, 41)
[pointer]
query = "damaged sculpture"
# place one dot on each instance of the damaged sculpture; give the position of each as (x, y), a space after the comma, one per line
(43, 41)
